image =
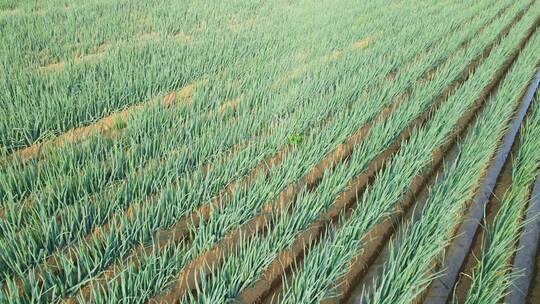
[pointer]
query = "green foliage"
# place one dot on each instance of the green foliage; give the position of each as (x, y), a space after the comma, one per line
(119, 123)
(296, 139)
(171, 161)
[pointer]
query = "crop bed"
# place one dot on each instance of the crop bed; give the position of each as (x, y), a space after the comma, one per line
(269, 151)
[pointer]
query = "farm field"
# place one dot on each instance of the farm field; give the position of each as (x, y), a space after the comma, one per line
(331, 151)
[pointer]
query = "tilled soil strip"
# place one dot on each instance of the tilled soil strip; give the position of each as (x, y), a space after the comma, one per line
(524, 261)
(376, 238)
(442, 287)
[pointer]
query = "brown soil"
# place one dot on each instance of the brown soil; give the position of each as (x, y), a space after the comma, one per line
(183, 96)
(362, 43)
(58, 66)
(231, 104)
(181, 36)
(236, 25)
(12, 12)
(148, 36)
